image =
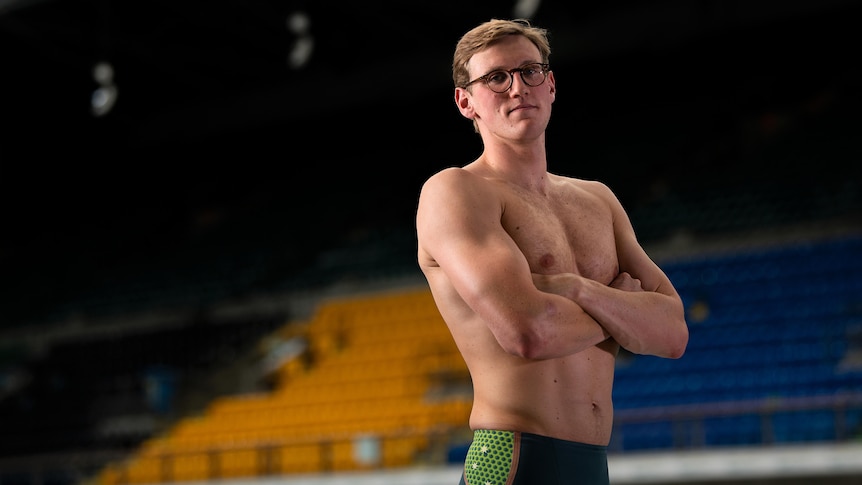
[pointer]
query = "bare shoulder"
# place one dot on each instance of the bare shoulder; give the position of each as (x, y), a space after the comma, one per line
(452, 182)
(450, 175)
(454, 205)
(456, 199)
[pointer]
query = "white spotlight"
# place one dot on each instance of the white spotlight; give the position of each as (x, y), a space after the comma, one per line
(299, 24)
(103, 73)
(525, 9)
(105, 96)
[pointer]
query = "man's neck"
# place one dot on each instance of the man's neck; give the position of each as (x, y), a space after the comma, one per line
(523, 165)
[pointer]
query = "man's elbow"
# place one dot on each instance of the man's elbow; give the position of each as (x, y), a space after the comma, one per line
(526, 345)
(668, 345)
(678, 342)
(675, 337)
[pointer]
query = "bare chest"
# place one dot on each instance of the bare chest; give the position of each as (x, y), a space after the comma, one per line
(566, 232)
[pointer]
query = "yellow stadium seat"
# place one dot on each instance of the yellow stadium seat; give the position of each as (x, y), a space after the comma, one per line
(360, 403)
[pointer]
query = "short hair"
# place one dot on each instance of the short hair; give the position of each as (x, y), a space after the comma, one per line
(486, 34)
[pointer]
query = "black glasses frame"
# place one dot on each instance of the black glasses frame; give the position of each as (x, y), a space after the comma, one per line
(546, 68)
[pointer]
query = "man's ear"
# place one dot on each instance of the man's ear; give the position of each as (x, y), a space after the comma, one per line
(552, 84)
(464, 103)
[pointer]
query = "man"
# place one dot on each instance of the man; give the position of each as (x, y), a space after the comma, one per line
(539, 277)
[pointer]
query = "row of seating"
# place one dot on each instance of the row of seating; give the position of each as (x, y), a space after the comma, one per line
(372, 361)
(367, 386)
(773, 323)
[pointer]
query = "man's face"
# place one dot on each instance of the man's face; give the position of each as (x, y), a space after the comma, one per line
(522, 112)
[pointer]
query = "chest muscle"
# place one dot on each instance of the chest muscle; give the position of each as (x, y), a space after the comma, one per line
(568, 232)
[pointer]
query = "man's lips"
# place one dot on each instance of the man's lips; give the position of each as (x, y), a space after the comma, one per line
(522, 106)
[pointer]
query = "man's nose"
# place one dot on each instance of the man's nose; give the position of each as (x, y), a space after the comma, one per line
(518, 85)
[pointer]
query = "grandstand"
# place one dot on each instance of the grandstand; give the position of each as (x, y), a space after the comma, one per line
(232, 347)
(371, 381)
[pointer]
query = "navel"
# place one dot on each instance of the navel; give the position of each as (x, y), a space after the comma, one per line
(546, 261)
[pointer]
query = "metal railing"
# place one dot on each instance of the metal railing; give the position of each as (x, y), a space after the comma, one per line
(274, 458)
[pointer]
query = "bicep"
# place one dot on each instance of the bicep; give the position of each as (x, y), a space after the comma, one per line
(487, 270)
(460, 228)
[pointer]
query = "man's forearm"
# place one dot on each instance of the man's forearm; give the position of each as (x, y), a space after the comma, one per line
(643, 322)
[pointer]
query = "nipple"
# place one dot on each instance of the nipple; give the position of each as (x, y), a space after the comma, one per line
(546, 261)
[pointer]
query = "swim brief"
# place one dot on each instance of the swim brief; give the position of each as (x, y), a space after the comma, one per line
(516, 458)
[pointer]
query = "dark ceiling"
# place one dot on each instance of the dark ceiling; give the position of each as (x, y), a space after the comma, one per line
(210, 111)
(189, 69)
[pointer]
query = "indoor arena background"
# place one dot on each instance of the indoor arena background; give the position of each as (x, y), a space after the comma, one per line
(209, 261)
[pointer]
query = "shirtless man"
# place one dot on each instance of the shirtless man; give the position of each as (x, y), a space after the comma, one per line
(539, 276)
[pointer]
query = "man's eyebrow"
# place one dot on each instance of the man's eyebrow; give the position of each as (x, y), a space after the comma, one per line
(504, 68)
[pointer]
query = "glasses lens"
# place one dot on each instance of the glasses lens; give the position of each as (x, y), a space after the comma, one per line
(533, 74)
(498, 81)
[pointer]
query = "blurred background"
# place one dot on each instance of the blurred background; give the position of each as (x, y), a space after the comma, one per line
(208, 252)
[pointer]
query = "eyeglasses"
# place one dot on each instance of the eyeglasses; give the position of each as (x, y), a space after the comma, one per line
(499, 81)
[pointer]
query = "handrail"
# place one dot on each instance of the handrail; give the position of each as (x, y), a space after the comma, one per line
(80, 464)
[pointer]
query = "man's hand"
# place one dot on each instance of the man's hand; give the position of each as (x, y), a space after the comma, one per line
(625, 282)
(564, 284)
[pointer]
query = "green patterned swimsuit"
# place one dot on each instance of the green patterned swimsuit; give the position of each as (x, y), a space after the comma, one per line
(515, 458)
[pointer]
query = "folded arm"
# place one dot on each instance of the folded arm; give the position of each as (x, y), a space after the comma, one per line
(639, 308)
(459, 228)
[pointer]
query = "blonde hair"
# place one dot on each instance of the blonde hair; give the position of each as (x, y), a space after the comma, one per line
(484, 35)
